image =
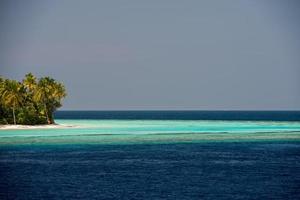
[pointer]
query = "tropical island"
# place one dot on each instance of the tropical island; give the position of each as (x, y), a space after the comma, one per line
(31, 101)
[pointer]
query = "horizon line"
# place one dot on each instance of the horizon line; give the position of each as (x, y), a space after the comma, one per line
(196, 110)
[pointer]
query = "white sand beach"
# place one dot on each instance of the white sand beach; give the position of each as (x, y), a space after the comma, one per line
(46, 126)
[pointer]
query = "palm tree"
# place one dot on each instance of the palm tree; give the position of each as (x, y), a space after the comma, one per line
(58, 93)
(30, 85)
(1, 87)
(30, 82)
(49, 93)
(41, 94)
(1, 104)
(12, 96)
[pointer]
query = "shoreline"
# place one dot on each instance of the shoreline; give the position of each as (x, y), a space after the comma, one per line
(42, 126)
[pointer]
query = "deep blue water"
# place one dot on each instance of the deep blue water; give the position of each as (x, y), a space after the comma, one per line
(183, 115)
(166, 171)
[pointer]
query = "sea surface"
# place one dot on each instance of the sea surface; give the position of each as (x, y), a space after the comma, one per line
(155, 155)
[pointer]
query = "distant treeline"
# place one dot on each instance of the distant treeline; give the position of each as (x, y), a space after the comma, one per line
(31, 101)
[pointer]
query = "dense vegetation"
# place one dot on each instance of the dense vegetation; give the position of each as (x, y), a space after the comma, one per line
(32, 101)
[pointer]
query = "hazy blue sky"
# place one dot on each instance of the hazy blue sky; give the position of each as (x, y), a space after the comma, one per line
(111, 55)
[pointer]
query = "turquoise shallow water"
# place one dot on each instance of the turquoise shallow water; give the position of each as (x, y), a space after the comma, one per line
(153, 131)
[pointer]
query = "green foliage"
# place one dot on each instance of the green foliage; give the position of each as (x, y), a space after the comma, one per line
(28, 115)
(31, 101)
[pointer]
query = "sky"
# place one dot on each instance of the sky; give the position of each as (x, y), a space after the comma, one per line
(158, 55)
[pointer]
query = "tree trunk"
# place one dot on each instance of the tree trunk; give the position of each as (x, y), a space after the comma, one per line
(14, 116)
(52, 118)
(46, 111)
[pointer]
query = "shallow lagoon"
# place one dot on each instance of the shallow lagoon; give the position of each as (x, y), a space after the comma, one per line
(153, 131)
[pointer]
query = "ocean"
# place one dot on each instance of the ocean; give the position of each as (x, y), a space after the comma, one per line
(155, 155)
